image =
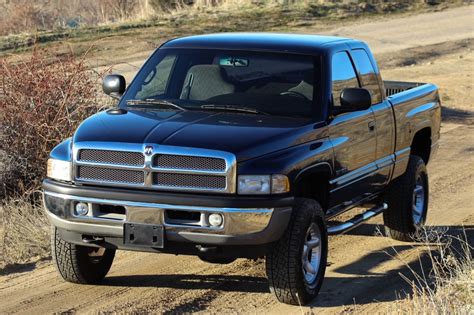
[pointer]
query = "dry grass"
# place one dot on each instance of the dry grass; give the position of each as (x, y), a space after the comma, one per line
(206, 16)
(24, 233)
(444, 281)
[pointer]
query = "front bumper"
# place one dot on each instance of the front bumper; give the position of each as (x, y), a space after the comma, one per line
(246, 220)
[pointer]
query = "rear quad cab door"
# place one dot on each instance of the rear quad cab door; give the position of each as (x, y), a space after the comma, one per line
(353, 138)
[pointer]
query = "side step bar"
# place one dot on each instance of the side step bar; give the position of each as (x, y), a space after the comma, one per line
(356, 220)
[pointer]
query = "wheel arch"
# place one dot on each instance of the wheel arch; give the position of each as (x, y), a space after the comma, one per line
(421, 144)
(313, 183)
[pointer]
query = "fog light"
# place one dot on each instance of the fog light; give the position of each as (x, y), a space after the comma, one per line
(82, 208)
(215, 219)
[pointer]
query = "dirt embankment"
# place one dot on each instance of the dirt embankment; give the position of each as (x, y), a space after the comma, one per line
(360, 274)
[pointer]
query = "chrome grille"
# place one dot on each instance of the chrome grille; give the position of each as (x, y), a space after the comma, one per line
(168, 168)
(188, 162)
(112, 175)
(111, 157)
(189, 180)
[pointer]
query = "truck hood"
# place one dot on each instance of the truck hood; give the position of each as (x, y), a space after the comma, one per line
(245, 135)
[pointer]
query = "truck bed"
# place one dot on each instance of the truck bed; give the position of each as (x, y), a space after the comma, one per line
(394, 87)
(416, 107)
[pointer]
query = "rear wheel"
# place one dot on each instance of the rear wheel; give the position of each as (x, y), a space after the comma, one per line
(297, 262)
(407, 200)
(80, 264)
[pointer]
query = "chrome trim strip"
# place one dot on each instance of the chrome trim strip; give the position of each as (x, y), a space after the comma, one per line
(187, 171)
(355, 175)
(402, 154)
(110, 165)
(229, 158)
(362, 172)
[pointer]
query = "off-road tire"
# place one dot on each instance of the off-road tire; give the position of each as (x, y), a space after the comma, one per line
(398, 218)
(74, 263)
(284, 260)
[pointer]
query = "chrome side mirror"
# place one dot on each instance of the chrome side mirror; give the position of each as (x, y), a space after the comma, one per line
(114, 85)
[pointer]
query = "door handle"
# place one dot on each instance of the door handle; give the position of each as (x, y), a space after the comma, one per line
(371, 125)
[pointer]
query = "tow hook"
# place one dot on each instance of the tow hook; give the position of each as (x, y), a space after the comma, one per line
(92, 239)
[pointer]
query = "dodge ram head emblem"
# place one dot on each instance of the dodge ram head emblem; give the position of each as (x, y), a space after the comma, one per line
(148, 150)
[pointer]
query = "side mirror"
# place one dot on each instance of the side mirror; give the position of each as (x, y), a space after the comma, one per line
(354, 99)
(114, 85)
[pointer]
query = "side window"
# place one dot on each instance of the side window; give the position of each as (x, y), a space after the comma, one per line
(343, 76)
(157, 80)
(368, 78)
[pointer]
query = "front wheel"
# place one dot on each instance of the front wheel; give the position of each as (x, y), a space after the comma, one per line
(297, 262)
(80, 264)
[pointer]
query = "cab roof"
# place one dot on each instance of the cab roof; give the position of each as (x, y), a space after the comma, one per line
(291, 43)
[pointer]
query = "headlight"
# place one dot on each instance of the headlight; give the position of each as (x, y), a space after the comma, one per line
(262, 184)
(60, 170)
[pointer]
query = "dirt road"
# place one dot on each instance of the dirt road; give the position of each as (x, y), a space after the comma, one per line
(360, 274)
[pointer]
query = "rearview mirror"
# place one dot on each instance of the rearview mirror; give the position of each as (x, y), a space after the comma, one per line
(354, 99)
(114, 85)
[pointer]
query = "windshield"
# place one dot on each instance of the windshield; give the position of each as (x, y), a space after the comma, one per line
(226, 80)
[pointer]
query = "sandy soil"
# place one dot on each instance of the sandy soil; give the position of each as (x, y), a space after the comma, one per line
(361, 275)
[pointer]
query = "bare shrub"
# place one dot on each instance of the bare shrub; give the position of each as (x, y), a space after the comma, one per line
(24, 232)
(43, 98)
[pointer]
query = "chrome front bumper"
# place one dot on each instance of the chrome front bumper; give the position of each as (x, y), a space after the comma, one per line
(239, 224)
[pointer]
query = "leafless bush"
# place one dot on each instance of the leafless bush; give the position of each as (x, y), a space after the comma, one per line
(42, 100)
(24, 232)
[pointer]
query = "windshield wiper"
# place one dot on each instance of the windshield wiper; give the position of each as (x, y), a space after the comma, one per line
(153, 101)
(234, 108)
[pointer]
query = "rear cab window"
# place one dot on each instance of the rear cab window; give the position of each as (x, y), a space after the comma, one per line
(367, 75)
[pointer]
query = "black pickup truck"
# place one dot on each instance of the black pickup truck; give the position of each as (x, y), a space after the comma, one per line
(243, 145)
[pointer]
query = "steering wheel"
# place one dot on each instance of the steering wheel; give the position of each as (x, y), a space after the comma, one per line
(294, 94)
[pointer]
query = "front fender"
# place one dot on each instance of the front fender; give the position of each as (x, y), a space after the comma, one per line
(294, 162)
(62, 151)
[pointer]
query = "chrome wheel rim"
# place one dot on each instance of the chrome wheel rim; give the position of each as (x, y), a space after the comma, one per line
(311, 257)
(418, 206)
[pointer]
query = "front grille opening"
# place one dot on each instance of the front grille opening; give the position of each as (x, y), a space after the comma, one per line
(186, 162)
(190, 180)
(101, 174)
(111, 157)
(112, 209)
(182, 217)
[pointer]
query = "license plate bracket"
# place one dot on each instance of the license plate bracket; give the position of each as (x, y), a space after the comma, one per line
(143, 235)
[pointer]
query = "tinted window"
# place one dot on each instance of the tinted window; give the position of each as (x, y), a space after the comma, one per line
(343, 76)
(367, 76)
